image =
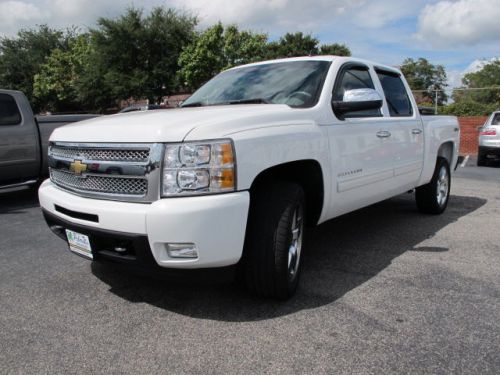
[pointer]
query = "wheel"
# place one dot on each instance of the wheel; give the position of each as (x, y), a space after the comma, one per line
(481, 159)
(273, 243)
(433, 197)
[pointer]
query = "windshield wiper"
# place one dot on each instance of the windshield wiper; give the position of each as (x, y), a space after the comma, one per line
(250, 101)
(239, 101)
(194, 104)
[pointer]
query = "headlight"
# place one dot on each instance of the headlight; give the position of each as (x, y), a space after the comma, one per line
(198, 168)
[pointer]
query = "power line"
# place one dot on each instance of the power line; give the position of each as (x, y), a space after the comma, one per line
(461, 89)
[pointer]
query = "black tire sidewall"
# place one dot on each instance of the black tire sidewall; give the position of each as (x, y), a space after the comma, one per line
(268, 237)
(426, 196)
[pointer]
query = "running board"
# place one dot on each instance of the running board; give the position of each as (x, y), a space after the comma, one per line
(18, 185)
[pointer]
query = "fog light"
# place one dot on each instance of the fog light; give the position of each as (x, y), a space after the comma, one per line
(182, 250)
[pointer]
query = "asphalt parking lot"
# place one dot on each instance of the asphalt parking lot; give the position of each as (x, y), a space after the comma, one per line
(384, 290)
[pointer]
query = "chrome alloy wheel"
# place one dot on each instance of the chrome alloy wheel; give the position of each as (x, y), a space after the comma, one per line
(295, 248)
(443, 182)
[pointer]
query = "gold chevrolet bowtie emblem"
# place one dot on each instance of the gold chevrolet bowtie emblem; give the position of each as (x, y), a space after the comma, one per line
(77, 167)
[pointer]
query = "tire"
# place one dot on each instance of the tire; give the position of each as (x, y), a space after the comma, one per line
(481, 159)
(274, 238)
(433, 197)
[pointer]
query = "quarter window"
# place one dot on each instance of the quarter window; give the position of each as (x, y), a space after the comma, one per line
(9, 113)
(395, 93)
(355, 77)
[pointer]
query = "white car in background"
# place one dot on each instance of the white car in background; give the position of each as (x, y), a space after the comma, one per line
(489, 139)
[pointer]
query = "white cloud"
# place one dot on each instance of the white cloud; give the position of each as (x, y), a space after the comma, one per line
(13, 13)
(459, 23)
(376, 14)
(269, 14)
(274, 16)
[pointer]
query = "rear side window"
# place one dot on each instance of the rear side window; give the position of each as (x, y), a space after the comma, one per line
(395, 93)
(355, 77)
(496, 119)
(9, 112)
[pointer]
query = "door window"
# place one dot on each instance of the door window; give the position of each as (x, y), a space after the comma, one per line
(9, 112)
(395, 93)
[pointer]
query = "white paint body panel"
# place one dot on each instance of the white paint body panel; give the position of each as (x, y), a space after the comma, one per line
(216, 223)
(358, 167)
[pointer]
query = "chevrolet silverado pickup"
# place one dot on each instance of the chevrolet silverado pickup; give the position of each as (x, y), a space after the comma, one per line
(232, 177)
(24, 140)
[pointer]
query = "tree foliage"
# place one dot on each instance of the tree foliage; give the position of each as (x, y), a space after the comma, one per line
(487, 77)
(422, 75)
(136, 56)
(58, 85)
(468, 108)
(334, 49)
(22, 56)
(300, 44)
(292, 45)
(216, 49)
(219, 48)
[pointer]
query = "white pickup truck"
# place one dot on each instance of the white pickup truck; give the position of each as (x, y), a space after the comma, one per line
(230, 179)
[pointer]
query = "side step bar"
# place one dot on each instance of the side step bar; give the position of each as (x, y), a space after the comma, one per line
(10, 187)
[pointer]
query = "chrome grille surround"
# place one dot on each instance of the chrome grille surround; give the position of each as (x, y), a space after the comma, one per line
(127, 172)
(131, 155)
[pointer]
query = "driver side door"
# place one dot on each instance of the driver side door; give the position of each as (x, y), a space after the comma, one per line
(361, 147)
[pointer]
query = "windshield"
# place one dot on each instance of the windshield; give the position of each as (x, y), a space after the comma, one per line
(295, 83)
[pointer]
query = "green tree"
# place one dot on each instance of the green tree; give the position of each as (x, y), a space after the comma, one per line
(334, 49)
(292, 45)
(218, 48)
(468, 108)
(488, 76)
(136, 56)
(58, 85)
(22, 55)
(422, 75)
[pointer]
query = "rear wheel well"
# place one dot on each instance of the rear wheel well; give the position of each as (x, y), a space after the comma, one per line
(446, 151)
(306, 173)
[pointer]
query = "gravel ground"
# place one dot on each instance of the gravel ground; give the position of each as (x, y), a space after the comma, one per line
(384, 290)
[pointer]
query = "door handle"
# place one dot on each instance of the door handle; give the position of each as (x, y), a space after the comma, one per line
(383, 134)
(416, 131)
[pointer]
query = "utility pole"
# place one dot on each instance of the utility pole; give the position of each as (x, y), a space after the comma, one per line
(436, 103)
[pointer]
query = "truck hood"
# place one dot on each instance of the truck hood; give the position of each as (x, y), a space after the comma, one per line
(175, 124)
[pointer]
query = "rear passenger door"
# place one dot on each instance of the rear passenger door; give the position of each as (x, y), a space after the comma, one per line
(407, 129)
(19, 152)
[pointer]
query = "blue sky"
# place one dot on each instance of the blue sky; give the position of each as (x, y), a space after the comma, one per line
(455, 33)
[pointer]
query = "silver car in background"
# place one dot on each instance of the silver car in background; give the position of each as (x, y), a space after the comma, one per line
(489, 139)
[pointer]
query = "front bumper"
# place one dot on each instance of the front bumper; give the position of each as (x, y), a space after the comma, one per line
(216, 224)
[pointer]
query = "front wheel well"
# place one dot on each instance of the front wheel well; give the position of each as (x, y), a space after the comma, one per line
(306, 173)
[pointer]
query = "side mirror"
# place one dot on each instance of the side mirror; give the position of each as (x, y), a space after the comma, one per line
(357, 100)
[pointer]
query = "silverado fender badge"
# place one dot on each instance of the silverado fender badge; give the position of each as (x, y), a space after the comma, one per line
(350, 173)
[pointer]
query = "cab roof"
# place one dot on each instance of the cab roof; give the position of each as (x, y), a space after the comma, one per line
(329, 58)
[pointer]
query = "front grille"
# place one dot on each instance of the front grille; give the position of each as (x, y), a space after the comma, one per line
(128, 172)
(100, 184)
(101, 154)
